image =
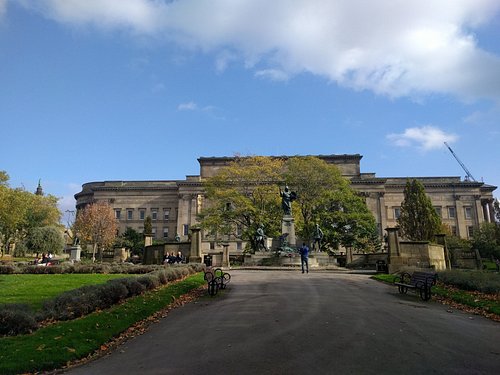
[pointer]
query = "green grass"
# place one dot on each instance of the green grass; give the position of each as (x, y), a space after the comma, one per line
(489, 265)
(52, 347)
(468, 299)
(34, 289)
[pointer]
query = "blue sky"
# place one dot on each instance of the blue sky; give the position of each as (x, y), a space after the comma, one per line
(94, 90)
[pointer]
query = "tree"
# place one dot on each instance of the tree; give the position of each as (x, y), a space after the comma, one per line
(21, 211)
(486, 240)
(325, 197)
(418, 220)
(242, 196)
(148, 226)
(96, 224)
(47, 239)
(132, 240)
(496, 211)
(4, 178)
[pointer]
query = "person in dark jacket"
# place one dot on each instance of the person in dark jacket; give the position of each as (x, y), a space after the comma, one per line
(304, 257)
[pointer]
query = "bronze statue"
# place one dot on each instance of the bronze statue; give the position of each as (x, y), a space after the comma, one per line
(287, 197)
(260, 238)
(318, 236)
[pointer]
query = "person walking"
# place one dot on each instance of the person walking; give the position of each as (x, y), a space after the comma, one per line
(304, 257)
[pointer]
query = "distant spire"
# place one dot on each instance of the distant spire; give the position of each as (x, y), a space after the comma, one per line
(39, 190)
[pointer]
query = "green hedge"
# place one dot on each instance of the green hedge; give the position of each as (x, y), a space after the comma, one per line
(485, 282)
(21, 319)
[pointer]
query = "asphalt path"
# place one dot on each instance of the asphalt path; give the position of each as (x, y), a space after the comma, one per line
(286, 322)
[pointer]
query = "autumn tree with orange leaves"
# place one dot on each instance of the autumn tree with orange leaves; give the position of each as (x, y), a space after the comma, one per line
(96, 224)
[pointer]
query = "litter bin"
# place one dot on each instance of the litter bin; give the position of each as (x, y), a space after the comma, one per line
(381, 267)
(207, 259)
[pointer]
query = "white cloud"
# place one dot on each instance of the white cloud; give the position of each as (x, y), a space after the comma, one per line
(3, 7)
(424, 138)
(394, 48)
(67, 203)
(190, 106)
(272, 74)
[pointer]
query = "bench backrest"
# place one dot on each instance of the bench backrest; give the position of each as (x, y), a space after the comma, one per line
(426, 278)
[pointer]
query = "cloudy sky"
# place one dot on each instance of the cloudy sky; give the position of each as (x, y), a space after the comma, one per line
(94, 90)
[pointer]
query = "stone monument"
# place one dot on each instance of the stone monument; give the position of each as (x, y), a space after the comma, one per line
(195, 255)
(287, 223)
(75, 250)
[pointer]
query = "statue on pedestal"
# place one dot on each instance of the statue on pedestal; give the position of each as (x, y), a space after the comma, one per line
(287, 197)
(260, 238)
(317, 236)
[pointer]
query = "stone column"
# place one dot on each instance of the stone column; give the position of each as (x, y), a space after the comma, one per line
(461, 227)
(195, 255)
(478, 208)
(441, 240)
(225, 255)
(394, 259)
(288, 227)
(393, 241)
(381, 213)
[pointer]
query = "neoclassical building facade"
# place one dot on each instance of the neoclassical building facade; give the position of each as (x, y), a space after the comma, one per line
(173, 204)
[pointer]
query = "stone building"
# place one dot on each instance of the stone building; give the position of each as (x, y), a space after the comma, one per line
(173, 204)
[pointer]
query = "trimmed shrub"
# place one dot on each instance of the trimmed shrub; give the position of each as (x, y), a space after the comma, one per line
(134, 287)
(16, 319)
(7, 269)
(72, 304)
(149, 281)
(162, 276)
(486, 282)
(110, 293)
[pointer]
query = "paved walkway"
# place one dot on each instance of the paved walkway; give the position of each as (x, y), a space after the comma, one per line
(276, 322)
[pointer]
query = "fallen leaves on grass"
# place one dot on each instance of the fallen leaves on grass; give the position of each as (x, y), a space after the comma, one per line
(477, 297)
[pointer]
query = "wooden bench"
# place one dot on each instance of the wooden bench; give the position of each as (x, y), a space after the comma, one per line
(420, 281)
(216, 279)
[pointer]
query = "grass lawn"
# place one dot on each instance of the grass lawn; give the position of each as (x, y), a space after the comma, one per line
(34, 289)
(54, 346)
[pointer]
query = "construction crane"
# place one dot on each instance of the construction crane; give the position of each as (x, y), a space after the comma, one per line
(469, 176)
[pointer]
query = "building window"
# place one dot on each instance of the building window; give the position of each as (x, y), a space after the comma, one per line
(130, 214)
(470, 231)
(238, 246)
(166, 214)
(438, 211)
(154, 214)
(452, 213)
(185, 229)
(142, 214)
(153, 232)
(397, 212)
(212, 245)
(454, 230)
(165, 232)
(118, 214)
(468, 212)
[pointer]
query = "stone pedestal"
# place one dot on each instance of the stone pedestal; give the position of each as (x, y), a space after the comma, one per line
(195, 250)
(75, 252)
(441, 240)
(148, 240)
(288, 227)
